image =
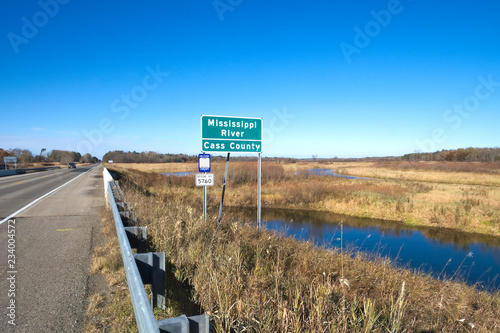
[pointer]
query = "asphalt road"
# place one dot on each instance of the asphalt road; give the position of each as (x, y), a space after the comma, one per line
(50, 247)
(19, 190)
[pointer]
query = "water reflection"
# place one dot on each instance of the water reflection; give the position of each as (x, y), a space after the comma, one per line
(177, 174)
(441, 252)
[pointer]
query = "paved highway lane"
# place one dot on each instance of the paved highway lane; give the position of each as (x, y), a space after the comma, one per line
(19, 190)
(45, 250)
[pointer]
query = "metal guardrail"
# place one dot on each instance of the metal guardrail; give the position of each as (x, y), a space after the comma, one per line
(7, 173)
(11, 172)
(146, 321)
(37, 169)
(145, 268)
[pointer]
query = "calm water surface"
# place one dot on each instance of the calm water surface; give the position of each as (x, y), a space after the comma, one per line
(178, 174)
(440, 252)
(331, 173)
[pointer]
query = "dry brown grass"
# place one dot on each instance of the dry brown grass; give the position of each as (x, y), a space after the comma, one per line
(470, 167)
(110, 311)
(477, 173)
(260, 282)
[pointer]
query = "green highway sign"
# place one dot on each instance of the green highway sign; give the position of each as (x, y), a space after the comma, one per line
(231, 134)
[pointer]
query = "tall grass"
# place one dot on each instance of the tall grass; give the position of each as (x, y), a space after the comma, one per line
(246, 172)
(263, 282)
(472, 167)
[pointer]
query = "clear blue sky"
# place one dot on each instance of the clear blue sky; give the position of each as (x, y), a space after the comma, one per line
(329, 78)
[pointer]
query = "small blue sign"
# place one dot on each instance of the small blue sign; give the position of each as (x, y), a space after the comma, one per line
(204, 163)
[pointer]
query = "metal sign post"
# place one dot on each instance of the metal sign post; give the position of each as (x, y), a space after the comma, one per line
(10, 159)
(223, 190)
(258, 191)
(204, 164)
(204, 203)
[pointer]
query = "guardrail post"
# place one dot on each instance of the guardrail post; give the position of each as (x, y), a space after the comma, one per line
(123, 206)
(199, 324)
(137, 237)
(119, 192)
(151, 267)
(174, 325)
(181, 324)
(128, 218)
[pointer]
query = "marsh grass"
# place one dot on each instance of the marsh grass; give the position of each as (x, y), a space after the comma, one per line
(441, 203)
(470, 167)
(263, 282)
(467, 173)
(414, 196)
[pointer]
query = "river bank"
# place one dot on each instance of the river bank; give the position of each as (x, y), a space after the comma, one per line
(442, 253)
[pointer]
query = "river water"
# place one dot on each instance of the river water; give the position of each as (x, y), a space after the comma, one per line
(440, 252)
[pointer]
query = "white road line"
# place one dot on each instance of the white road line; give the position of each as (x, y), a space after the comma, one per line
(43, 196)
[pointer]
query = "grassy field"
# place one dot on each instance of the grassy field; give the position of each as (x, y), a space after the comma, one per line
(251, 282)
(456, 195)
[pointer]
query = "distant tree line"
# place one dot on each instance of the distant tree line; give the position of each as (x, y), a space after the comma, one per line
(458, 155)
(120, 156)
(25, 156)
